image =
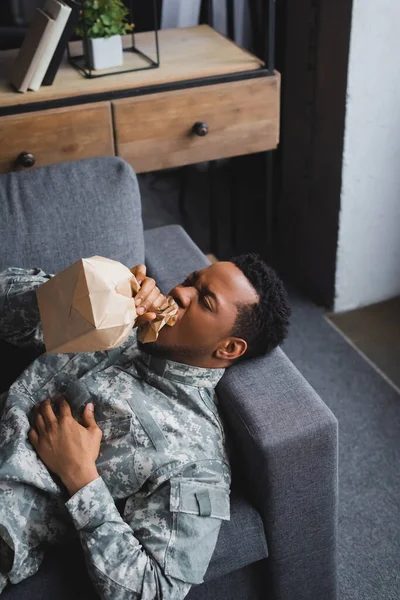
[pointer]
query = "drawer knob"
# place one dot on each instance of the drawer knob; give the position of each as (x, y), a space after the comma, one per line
(200, 128)
(25, 159)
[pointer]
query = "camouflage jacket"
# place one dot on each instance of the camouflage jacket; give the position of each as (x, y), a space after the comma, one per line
(163, 451)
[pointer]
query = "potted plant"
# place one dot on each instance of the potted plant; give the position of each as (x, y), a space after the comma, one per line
(101, 24)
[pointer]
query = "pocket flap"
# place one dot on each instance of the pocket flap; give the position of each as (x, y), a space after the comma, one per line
(202, 499)
(115, 427)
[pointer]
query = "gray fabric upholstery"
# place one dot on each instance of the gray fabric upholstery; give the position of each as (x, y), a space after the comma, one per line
(62, 576)
(241, 540)
(284, 435)
(171, 255)
(287, 438)
(245, 584)
(51, 216)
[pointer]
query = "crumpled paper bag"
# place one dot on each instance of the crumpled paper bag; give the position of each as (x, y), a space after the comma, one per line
(89, 306)
(167, 314)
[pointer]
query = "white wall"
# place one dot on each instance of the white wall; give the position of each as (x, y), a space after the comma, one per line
(368, 258)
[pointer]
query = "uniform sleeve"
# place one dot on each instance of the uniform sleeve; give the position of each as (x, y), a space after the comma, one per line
(163, 546)
(19, 313)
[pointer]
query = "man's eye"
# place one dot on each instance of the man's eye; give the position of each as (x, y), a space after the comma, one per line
(205, 302)
(188, 282)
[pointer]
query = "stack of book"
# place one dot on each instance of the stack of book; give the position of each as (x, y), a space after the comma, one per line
(44, 45)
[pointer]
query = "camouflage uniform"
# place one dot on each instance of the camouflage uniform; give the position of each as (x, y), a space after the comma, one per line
(163, 449)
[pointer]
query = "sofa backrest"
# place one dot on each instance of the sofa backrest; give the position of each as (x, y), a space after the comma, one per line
(52, 216)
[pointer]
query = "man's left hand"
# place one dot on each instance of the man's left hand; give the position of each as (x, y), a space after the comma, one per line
(67, 448)
(149, 298)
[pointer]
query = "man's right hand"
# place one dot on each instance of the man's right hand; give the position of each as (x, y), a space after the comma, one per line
(67, 448)
(149, 298)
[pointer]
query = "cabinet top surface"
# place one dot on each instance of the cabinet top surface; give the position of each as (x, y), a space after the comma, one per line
(185, 54)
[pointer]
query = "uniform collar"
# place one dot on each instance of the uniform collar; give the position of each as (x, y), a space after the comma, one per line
(181, 373)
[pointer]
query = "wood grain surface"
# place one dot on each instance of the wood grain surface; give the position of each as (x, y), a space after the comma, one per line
(57, 135)
(185, 53)
(155, 131)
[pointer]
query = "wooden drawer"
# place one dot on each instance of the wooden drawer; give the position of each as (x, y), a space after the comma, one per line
(56, 135)
(155, 131)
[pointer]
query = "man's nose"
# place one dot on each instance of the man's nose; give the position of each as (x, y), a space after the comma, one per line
(183, 295)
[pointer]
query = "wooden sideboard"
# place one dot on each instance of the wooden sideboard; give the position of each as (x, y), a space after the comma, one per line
(208, 99)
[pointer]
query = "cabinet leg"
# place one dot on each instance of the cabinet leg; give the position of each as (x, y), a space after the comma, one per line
(184, 175)
(213, 208)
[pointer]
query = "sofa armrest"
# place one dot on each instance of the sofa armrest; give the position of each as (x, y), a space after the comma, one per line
(287, 441)
(286, 438)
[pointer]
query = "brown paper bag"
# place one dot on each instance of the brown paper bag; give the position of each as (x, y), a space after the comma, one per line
(89, 307)
(166, 315)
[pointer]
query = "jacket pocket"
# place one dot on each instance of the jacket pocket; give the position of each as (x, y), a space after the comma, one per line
(115, 427)
(151, 428)
(198, 510)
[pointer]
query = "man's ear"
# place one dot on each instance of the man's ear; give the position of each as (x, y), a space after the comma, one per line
(231, 348)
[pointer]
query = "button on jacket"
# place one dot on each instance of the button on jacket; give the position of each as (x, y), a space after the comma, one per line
(163, 451)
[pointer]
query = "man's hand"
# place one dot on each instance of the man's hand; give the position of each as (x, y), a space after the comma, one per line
(67, 448)
(149, 298)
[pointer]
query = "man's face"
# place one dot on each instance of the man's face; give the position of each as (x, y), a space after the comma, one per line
(207, 302)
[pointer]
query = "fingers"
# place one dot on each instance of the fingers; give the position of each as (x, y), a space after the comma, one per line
(33, 437)
(44, 418)
(153, 301)
(48, 415)
(40, 424)
(89, 422)
(146, 318)
(150, 305)
(88, 419)
(139, 272)
(65, 410)
(147, 287)
(158, 302)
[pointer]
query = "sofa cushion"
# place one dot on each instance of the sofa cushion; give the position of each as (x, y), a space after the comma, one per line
(52, 216)
(241, 540)
(249, 583)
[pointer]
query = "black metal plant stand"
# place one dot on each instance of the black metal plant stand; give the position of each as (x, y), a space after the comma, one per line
(80, 62)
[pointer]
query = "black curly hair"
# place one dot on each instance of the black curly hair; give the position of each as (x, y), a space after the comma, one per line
(263, 325)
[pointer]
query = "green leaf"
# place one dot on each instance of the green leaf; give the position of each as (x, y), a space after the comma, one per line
(103, 18)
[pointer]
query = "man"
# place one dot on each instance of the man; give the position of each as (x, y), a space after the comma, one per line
(143, 477)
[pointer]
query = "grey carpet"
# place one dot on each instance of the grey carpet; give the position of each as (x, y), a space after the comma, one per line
(367, 408)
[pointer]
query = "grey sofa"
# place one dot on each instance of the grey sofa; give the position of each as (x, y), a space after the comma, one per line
(281, 541)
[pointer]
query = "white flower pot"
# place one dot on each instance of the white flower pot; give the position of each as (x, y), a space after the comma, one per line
(104, 53)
